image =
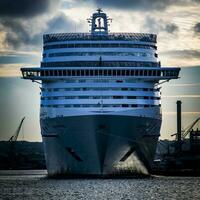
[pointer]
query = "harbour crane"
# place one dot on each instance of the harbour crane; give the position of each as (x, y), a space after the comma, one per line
(189, 128)
(14, 137)
(12, 155)
(185, 132)
(192, 130)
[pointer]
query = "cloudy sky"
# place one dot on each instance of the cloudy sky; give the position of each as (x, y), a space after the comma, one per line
(23, 22)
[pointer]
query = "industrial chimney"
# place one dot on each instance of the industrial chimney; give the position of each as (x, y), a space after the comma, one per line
(179, 142)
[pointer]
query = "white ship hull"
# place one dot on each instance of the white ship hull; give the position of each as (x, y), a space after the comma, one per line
(102, 144)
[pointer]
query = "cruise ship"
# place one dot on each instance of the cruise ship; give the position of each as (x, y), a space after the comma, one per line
(100, 100)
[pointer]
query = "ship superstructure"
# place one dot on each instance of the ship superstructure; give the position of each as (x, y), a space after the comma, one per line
(100, 99)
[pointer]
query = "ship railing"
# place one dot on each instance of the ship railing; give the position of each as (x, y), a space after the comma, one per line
(65, 73)
(145, 37)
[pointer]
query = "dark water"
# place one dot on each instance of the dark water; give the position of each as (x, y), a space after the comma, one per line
(35, 185)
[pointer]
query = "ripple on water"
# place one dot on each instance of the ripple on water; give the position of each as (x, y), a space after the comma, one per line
(39, 187)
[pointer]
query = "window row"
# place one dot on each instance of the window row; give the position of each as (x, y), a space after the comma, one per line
(100, 97)
(99, 45)
(101, 72)
(100, 63)
(97, 105)
(139, 54)
(97, 89)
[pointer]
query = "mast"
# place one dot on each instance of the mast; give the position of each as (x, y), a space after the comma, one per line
(99, 23)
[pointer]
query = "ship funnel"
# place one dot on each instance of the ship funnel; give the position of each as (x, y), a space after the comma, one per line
(179, 125)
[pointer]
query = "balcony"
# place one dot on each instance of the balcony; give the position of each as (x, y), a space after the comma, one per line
(152, 74)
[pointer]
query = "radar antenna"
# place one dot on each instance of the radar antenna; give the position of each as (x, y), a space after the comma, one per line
(99, 10)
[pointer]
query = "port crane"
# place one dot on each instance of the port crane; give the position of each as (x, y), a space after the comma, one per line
(14, 137)
(12, 155)
(185, 153)
(190, 127)
(186, 131)
(192, 130)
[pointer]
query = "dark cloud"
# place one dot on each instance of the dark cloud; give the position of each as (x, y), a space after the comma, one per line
(60, 23)
(171, 28)
(19, 17)
(17, 33)
(142, 4)
(139, 4)
(197, 28)
(154, 26)
(186, 54)
(23, 8)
